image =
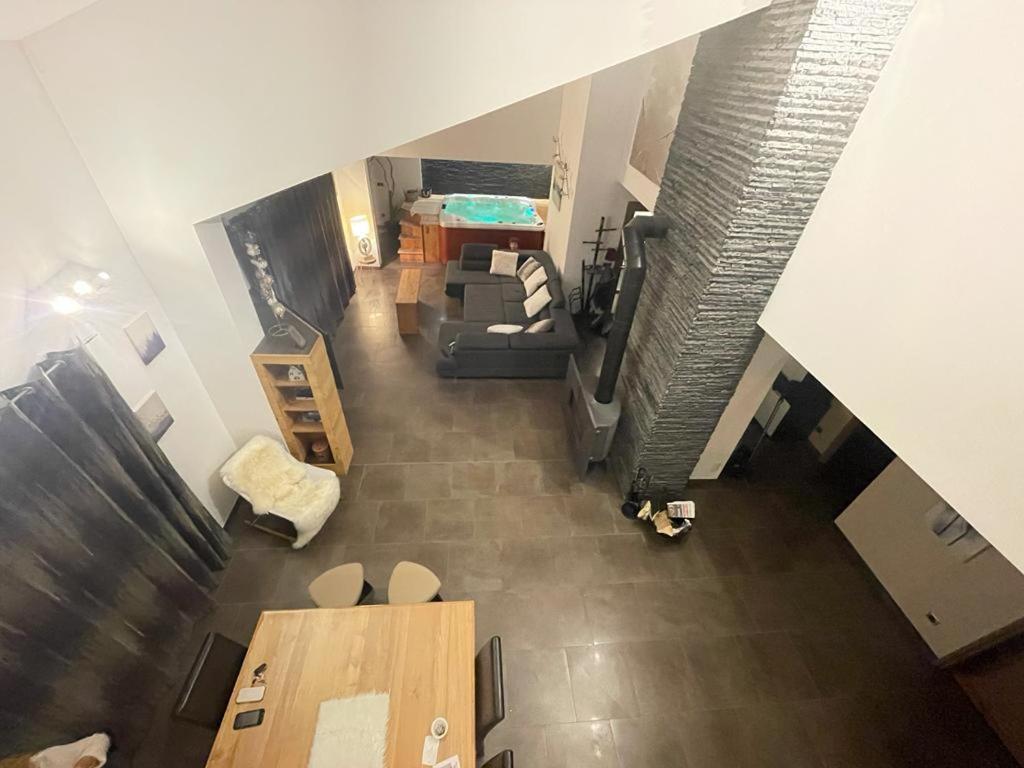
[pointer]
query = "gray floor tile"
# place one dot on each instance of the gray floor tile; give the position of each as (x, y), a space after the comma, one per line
(543, 618)
(353, 522)
(409, 447)
(383, 482)
(649, 742)
(543, 515)
(602, 685)
(471, 480)
(498, 518)
(428, 481)
(450, 520)
(589, 515)
(581, 745)
(527, 744)
(400, 521)
(538, 688)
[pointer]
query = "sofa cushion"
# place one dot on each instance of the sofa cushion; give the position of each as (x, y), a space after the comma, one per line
(504, 328)
(535, 281)
(483, 304)
(529, 266)
(512, 292)
(504, 262)
(537, 301)
(541, 326)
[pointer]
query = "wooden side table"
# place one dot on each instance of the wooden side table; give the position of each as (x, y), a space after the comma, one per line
(407, 301)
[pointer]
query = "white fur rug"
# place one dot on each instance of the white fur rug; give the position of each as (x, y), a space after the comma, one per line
(351, 733)
(272, 480)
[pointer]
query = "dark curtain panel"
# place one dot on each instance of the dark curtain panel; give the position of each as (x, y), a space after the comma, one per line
(100, 587)
(86, 388)
(300, 233)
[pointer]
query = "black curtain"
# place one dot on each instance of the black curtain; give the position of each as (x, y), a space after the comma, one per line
(300, 234)
(106, 559)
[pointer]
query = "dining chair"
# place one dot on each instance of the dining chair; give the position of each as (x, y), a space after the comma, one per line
(490, 691)
(500, 760)
(413, 583)
(207, 690)
(341, 587)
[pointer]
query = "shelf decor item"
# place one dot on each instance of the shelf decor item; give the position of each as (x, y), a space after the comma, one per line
(308, 409)
(265, 281)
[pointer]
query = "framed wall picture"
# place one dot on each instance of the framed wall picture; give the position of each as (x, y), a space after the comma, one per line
(145, 338)
(154, 415)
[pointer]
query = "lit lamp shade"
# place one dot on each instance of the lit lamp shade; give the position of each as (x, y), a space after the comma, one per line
(360, 226)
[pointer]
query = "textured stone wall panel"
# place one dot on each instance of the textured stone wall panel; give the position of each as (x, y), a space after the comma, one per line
(771, 101)
(446, 177)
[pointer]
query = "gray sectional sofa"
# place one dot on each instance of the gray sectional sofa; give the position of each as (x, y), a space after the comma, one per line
(468, 350)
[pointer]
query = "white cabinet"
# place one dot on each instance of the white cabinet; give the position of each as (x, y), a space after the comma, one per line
(951, 601)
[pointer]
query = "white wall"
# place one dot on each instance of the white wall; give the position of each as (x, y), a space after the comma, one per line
(971, 594)
(404, 172)
(571, 127)
(659, 113)
(903, 295)
(764, 367)
(518, 133)
(596, 127)
(53, 214)
(183, 111)
(352, 186)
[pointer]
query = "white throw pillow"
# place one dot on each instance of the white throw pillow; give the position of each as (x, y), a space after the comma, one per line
(537, 302)
(504, 328)
(535, 281)
(504, 262)
(542, 326)
(530, 266)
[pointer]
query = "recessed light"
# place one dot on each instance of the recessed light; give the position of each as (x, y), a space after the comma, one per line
(81, 287)
(65, 305)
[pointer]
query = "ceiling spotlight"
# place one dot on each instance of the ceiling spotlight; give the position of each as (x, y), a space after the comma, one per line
(81, 287)
(65, 305)
(104, 276)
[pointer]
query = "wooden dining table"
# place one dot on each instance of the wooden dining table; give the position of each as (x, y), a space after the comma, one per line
(422, 655)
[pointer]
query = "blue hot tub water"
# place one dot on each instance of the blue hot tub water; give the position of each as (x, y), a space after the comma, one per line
(483, 209)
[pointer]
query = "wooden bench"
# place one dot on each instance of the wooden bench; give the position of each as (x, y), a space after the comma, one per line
(407, 301)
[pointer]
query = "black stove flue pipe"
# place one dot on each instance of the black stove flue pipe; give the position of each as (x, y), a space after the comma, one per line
(641, 227)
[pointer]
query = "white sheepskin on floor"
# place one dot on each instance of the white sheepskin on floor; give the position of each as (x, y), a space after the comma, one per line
(272, 480)
(351, 732)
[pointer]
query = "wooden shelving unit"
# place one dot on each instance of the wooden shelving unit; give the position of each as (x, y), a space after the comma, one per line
(272, 359)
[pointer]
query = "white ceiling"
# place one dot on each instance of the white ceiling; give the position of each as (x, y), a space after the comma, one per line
(20, 18)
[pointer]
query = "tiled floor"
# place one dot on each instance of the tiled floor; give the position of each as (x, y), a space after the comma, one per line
(759, 640)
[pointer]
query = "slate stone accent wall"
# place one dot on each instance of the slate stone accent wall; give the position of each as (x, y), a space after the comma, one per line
(446, 177)
(771, 101)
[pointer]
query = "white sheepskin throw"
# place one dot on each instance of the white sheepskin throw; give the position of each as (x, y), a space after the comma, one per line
(77, 753)
(351, 732)
(272, 480)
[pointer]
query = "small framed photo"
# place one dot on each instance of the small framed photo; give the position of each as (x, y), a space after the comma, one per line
(145, 338)
(154, 415)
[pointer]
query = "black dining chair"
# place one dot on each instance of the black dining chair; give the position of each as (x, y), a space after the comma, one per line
(490, 691)
(207, 690)
(500, 760)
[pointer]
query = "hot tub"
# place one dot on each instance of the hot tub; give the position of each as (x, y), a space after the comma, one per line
(494, 219)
